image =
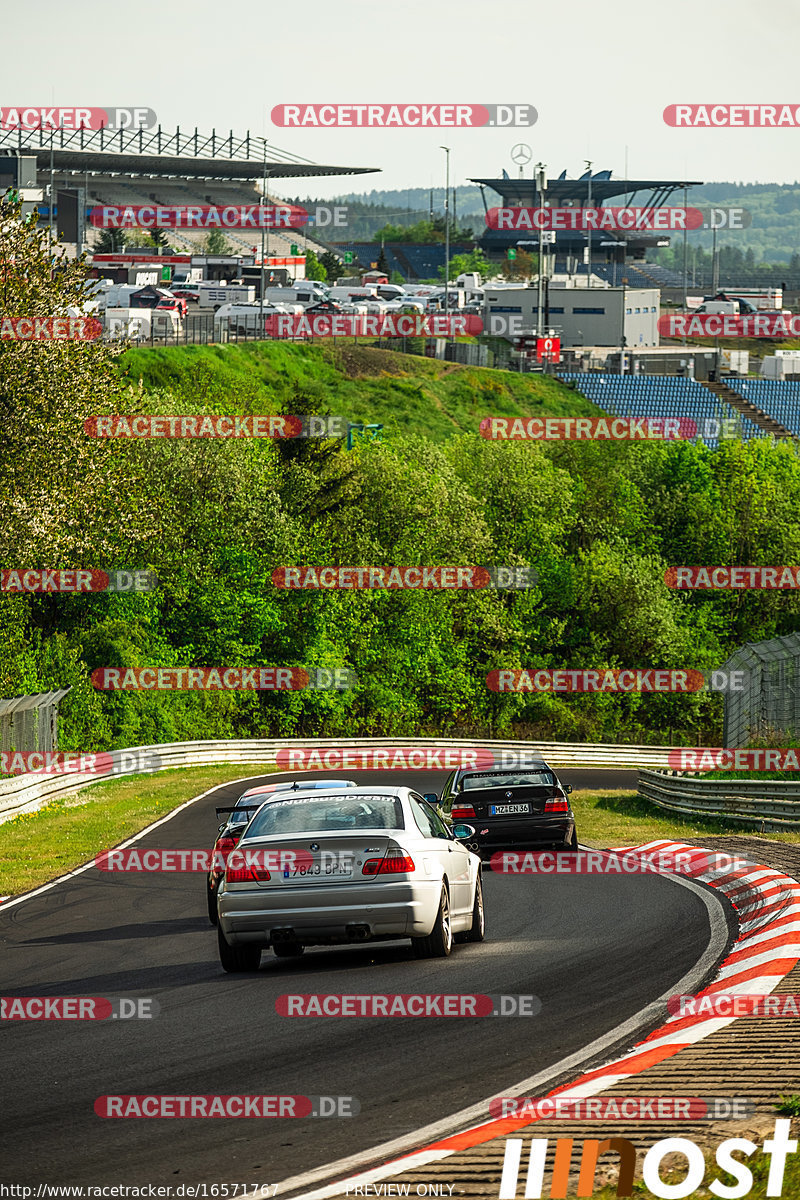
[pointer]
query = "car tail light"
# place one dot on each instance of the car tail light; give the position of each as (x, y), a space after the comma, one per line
(247, 874)
(393, 863)
(556, 806)
(462, 810)
(226, 844)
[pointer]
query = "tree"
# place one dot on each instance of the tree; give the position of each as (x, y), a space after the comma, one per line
(111, 241)
(215, 242)
(383, 264)
(522, 267)
(331, 264)
(156, 239)
(314, 268)
(463, 264)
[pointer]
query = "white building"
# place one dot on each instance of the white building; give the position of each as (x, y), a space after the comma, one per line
(580, 316)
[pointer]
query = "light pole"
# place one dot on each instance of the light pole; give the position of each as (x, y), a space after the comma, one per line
(541, 183)
(589, 230)
(263, 277)
(446, 232)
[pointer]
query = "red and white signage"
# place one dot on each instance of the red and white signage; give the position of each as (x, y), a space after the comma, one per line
(548, 349)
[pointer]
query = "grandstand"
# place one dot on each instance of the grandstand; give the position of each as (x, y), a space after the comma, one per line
(155, 166)
(412, 261)
(612, 248)
(778, 398)
(661, 396)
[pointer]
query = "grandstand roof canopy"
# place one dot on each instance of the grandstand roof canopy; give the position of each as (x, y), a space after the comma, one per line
(159, 153)
(523, 193)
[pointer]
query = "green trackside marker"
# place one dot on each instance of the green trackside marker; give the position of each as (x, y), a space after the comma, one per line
(512, 253)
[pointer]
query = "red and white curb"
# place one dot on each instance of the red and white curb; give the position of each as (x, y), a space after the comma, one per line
(766, 949)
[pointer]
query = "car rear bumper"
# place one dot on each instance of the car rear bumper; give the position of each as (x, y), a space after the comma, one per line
(335, 913)
(520, 835)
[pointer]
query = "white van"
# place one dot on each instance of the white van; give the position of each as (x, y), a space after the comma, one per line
(246, 318)
(212, 295)
(354, 295)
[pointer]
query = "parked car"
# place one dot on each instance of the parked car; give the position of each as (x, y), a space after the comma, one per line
(378, 863)
(526, 808)
(237, 819)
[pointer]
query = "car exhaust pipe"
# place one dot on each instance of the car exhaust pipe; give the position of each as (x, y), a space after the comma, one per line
(286, 934)
(474, 846)
(358, 933)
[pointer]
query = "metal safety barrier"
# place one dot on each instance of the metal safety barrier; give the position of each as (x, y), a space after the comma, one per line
(771, 805)
(26, 793)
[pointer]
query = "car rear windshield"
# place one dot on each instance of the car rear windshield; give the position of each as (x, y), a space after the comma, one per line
(511, 779)
(331, 814)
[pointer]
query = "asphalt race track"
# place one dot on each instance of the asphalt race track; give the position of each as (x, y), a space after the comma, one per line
(594, 949)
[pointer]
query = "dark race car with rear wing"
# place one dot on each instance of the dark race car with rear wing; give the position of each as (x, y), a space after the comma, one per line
(526, 808)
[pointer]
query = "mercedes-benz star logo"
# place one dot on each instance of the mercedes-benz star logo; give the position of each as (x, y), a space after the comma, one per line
(521, 153)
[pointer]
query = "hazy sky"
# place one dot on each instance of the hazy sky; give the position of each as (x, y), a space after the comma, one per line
(599, 75)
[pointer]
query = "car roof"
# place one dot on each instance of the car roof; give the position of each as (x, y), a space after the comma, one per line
(534, 765)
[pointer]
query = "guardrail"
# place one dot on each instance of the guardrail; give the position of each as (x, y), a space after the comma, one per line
(26, 793)
(770, 805)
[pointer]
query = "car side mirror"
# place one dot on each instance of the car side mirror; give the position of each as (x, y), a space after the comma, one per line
(220, 828)
(568, 788)
(462, 832)
(432, 798)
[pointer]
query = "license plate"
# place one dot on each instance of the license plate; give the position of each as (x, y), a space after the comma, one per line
(500, 810)
(331, 867)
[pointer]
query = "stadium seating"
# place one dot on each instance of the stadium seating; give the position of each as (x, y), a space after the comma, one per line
(660, 396)
(778, 398)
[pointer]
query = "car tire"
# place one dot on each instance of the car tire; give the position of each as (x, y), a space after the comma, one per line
(212, 904)
(439, 942)
(572, 847)
(288, 950)
(477, 930)
(237, 958)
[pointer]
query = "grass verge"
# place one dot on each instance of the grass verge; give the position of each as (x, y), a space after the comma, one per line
(40, 846)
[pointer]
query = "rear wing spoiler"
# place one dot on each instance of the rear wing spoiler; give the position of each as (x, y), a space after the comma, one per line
(242, 808)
